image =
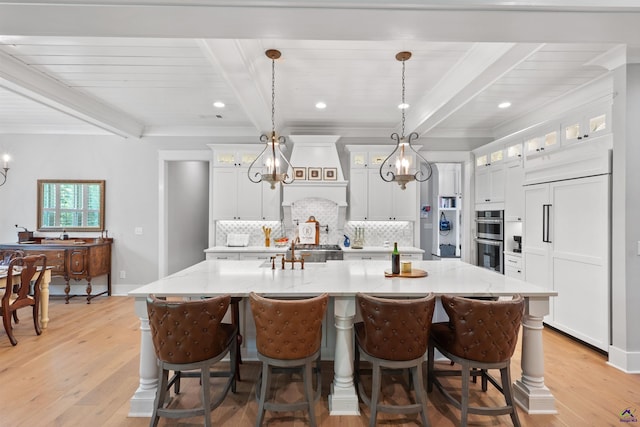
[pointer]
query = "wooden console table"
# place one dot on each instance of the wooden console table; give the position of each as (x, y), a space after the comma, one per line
(77, 259)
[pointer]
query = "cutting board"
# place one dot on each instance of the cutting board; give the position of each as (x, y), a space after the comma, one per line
(415, 272)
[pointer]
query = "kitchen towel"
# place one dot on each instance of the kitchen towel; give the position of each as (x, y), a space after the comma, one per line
(307, 233)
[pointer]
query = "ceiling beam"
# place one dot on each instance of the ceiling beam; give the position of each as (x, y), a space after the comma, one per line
(595, 22)
(476, 71)
(24, 80)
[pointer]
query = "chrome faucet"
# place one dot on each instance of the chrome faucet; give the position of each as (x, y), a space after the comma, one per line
(293, 259)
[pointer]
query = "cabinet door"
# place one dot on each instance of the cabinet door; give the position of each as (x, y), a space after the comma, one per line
(514, 193)
(380, 197)
(580, 258)
(249, 197)
(77, 262)
(497, 179)
(358, 194)
(483, 185)
(271, 202)
(225, 193)
(405, 202)
(359, 159)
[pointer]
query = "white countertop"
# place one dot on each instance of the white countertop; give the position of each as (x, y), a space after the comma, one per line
(338, 278)
(245, 249)
(382, 249)
(273, 249)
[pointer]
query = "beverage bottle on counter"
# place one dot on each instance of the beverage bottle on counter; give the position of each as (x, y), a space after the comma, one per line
(395, 259)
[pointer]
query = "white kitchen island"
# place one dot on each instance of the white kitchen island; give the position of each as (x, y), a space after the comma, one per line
(342, 280)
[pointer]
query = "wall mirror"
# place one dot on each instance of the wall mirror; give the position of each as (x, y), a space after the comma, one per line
(72, 205)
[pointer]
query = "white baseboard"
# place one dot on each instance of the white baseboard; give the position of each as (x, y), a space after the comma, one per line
(123, 290)
(626, 361)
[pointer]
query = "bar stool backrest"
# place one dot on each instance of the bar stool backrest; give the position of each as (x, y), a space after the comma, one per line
(288, 329)
(396, 329)
(187, 331)
(485, 331)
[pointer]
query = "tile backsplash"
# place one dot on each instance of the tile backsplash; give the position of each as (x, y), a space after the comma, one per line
(377, 232)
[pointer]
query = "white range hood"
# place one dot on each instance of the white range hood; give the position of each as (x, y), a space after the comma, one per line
(316, 151)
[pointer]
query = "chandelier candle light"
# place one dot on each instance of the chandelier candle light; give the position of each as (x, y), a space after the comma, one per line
(276, 169)
(5, 168)
(403, 174)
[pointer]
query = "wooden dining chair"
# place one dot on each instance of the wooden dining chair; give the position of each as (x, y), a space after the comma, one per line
(17, 294)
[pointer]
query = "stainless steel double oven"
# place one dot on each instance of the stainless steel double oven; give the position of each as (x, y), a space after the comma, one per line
(490, 240)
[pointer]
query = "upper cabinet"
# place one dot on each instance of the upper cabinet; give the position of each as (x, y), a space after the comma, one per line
(589, 124)
(371, 198)
(489, 177)
(234, 196)
(542, 142)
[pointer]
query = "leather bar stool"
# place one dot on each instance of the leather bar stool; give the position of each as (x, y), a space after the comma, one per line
(393, 335)
(288, 335)
(480, 335)
(191, 336)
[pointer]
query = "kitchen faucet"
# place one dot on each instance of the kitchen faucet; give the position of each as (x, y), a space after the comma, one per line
(293, 259)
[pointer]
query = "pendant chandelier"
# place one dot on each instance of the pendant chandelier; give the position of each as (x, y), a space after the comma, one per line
(275, 162)
(405, 172)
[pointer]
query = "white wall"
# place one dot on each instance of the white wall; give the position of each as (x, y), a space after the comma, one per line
(130, 168)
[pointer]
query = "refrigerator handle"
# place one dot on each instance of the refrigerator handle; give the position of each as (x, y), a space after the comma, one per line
(545, 223)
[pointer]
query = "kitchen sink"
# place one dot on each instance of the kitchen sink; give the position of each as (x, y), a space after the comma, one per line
(317, 253)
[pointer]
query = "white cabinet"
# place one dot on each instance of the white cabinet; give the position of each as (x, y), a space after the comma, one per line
(566, 248)
(588, 124)
(448, 179)
(371, 198)
(513, 192)
(490, 182)
(223, 255)
(542, 142)
(235, 197)
(513, 266)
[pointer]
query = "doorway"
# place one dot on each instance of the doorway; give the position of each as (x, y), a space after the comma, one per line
(184, 209)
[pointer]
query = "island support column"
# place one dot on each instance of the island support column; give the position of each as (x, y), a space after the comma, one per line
(530, 392)
(142, 401)
(343, 399)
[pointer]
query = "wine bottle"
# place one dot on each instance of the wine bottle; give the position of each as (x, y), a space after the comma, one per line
(395, 259)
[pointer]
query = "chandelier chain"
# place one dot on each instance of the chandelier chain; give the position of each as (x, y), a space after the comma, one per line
(273, 96)
(403, 103)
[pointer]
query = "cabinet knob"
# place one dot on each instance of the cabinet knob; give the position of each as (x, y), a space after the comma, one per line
(541, 148)
(579, 137)
(586, 136)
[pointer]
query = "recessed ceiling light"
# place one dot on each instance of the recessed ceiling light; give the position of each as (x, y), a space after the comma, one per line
(505, 104)
(403, 106)
(321, 105)
(218, 104)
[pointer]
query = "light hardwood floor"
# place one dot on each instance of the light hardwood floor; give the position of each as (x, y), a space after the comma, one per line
(83, 370)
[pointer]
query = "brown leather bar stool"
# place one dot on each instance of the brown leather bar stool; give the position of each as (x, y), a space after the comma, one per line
(288, 335)
(188, 336)
(480, 335)
(393, 334)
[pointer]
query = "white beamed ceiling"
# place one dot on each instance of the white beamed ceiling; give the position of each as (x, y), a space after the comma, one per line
(133, 78)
